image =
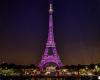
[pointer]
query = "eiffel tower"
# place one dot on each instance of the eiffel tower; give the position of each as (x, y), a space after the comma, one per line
(52, 57)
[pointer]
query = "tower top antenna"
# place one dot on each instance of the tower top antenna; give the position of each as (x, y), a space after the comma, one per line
(50, 7)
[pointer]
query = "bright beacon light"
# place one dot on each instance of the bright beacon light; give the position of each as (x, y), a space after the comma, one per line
(98, 77)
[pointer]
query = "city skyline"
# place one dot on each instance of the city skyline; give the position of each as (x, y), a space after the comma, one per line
(24, 28)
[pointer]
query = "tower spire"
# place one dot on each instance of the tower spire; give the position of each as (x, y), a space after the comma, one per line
(50, 41)
(50, 8)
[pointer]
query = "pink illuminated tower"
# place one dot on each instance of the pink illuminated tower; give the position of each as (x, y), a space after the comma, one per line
(52, 57)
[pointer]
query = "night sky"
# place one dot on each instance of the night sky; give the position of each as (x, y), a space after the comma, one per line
(24, 30)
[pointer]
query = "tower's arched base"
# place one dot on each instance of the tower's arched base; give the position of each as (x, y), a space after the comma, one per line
(50, 59)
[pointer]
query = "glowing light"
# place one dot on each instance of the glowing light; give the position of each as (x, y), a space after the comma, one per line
(98, 77)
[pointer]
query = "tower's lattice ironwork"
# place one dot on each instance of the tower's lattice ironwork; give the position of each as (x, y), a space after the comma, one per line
(50, 45)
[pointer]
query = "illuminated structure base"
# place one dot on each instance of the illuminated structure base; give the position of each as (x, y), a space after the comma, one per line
(46, 59)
